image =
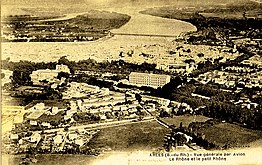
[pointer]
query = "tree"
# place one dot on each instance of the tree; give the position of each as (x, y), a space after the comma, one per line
(180, 139)
(109, 115)
(62, 74)
(181, 126)
(163, 113)
(189, 61)
(21, 77)
(71, 64)
(138, 97)
(2, 75)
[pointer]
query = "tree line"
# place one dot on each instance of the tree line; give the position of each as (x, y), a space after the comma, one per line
(23, 69)
(218, 106)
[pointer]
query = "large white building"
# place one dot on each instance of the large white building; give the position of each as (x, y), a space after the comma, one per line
(145, 79)
(47, 74)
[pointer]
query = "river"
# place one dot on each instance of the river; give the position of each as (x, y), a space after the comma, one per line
(102, 49)
(151, 25)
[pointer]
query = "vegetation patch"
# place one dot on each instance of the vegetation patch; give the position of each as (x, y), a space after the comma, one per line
(229, 135)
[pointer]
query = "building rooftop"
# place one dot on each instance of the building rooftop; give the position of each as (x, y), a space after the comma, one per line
(35, 114)
(148, 74)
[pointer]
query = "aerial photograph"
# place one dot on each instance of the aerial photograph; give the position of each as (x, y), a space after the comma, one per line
(110, 82)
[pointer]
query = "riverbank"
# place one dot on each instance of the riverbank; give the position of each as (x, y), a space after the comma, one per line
(217, 24)
(102, 49)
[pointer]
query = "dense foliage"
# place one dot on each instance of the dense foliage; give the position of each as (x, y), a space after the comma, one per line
(218, 106)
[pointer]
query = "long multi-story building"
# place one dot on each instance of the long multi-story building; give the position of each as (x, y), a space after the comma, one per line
(145, 79)
(47, 74)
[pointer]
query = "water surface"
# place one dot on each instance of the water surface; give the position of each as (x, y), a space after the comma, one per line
(102, 49)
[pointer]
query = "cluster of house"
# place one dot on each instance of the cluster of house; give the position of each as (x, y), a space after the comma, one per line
(87, 72)
(252, 44)
(125, 103)
(231, 80)
(218, 77)
(50, 142)
(251, 65)
(183, 107)
(47, 117)
(166, 105)
(256, 61)
(42, 116)
(78, 90)
(10, 37)
(172, 57)
(97, 103)
(103, 104)
(11, 115)
(246, 103)
(43, 31)
(21, 142)
(62, 140)
(237, 69)
(100, 104)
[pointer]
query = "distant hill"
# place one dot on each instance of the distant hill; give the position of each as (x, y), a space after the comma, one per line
(241, 10)
(50, 3)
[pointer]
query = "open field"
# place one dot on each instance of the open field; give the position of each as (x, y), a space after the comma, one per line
(231, 134)
(185, 119)
(136, 136)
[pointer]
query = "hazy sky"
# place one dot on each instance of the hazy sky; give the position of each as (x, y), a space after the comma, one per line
(57, 3)
(12, 6)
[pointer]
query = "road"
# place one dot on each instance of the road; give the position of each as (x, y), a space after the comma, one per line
(146, 35)
(101, 125)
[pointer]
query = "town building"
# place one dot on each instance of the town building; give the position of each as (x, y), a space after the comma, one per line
(78, 90)
(48, 74)
(161, 101)
(145, 79)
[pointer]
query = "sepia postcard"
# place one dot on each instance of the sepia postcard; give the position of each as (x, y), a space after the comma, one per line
(131, 82)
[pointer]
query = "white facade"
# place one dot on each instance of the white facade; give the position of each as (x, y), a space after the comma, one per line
(145, 79)
(47, 74)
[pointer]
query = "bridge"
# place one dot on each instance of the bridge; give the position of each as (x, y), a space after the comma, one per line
(146, 35)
